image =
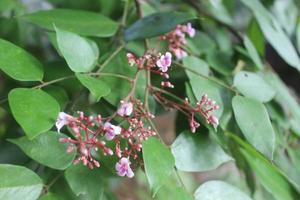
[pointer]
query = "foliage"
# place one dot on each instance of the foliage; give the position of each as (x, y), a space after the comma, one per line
(84, 84)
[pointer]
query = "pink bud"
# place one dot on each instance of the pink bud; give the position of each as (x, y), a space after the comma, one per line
(131, 59)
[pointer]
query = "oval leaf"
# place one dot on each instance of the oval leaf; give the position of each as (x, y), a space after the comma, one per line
(18, 182)
(77, 21)
(196, 64)
(156, 24)
(46, 149)
(79, 53)
(84, 181)
(192, 150)
(97, 87)
(254, 86)
(159, 163)
(35, 110)
(219, 190)
(19, 64)
(253, 119)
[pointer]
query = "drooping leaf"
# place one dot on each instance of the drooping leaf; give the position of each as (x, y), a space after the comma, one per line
(253, 86)
(192, 150)
(196, 64)
(159, 163)
(77, 21)
(156, 24)
(17, 182)
(19, 64)
(218, 10)
(219, 190)
(97, 87)
(253, 53)
(274, 33)
(47, 150)
(35, 110)
(201, 43)
(80, 54)
(256, 36)
(84, 181)
(253, 119)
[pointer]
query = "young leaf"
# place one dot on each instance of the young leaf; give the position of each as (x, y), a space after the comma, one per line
(274, 33)
(84, 181)
(77, 21)
(17, 182)
(156, 24)
(19, 64)
(195, 64)
(220, 62)
(34, 109)
(97, 87)
(159, 163)
(253, 119)
(254, 86)
(253, 52)
(47, 150)
(219, 190)
(80, 54)
(192, 150)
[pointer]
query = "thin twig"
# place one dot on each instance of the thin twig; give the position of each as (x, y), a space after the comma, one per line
(101, 67)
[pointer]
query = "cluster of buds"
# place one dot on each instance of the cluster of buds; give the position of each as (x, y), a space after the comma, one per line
(156, 63)
(90, 134)
(205, 107)
(177, 39)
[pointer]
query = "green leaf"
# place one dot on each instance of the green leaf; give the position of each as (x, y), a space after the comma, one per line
(97, 87)
(254, 86)
(283, 95)
(19, 64)
(196, 64)
(35, 110)
(221, 62)
(51, 196)
(159, 163)
(253, 53)
(269, 177)
(192, 150)
(47, 150)
(59, 94)
(219, 190)
(84, 181)
(298, 36)
(156, 24)
(171, 192)
(77, 21)
(274, 33)
(268, 174)
(201, 43)
(17, 182)
(80, 54)
(256, 36)
(253, 119)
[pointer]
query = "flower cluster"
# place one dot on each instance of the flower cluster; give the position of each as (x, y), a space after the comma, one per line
(155, 62)
(176, 39)
(90, 134)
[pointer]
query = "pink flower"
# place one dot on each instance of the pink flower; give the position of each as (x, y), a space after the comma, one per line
(111, 130)
(164, 62)
(123, 168)
(62, 119)
(125, 109)
(131, 59)
(190, 30)
(213, 120)
(179, 53)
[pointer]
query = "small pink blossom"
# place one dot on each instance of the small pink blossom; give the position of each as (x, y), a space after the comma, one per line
(179, 53)
(190, 30)
(125, 109)
(164, 62)
(62, 119)
(123, 168)
(131, 59)
(111, 130)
